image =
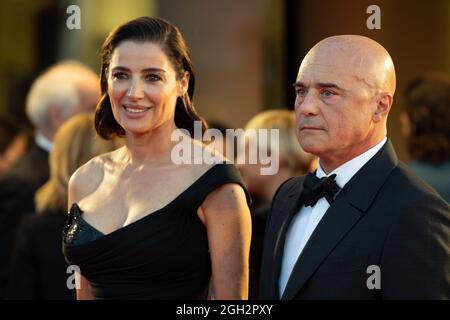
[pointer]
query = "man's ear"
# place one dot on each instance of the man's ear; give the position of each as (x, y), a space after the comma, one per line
(183, 84)
(384, 103)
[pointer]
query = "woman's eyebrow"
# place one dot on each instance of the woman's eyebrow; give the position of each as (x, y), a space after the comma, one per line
(146, 70)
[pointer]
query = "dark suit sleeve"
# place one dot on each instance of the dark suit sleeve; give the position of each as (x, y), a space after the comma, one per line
(23, 276)
(16, 199)
(416, 257)
(270, 234)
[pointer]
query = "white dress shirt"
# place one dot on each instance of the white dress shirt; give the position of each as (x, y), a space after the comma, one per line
(43, 142)
(305, 222)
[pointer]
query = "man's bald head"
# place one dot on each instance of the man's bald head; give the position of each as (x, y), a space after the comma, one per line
(359, 56)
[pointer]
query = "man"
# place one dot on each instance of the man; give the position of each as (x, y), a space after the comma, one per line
(362, 226)
(64, 90)
(13, 143)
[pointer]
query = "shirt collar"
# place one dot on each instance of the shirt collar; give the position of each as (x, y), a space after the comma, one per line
(347, 170)
(43, 142)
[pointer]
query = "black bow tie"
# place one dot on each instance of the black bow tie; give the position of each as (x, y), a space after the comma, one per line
(315, 188)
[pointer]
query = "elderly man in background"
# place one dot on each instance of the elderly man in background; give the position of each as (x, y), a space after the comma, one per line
(64, 90)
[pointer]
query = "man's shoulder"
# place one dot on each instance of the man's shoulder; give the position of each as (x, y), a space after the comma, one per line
(31, 169)
(15, 190)
(386, 180)
(404, 194)
(404, 178)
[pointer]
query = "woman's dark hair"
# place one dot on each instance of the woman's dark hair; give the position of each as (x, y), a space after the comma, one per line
(168, 36)
(428, 110)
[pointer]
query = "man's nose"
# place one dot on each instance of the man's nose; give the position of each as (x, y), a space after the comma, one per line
(307, 105)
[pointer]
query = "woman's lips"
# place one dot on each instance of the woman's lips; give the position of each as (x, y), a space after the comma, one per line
(135, 111)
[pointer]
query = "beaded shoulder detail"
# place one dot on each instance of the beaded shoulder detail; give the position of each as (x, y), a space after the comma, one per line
(76, 230)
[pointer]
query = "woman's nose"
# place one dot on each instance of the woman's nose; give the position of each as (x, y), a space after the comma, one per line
(135, 91)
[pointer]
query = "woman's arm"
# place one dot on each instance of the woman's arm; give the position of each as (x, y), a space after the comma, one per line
(83, 293)
(227, 219)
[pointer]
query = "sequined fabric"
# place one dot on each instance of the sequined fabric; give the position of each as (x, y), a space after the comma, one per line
(77, 231)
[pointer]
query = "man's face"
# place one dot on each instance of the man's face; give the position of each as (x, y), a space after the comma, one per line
(334, 107)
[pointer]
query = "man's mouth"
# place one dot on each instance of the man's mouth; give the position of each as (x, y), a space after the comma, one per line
(310, 128)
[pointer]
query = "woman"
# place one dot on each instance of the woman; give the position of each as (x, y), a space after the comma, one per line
(293, 161)
(142, 227)
(38, 270)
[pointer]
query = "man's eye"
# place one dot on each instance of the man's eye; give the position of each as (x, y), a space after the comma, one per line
(327, 93)
(301, 92)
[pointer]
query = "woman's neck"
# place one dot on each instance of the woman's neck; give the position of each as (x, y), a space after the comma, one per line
(154, 146)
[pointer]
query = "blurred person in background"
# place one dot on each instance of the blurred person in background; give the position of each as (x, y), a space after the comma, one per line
(62, 91)
(293, 161)
(426, 125)
(227, 141)
(38, 269)
(13, 144)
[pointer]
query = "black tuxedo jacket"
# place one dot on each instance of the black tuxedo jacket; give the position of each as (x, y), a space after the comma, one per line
(384, 217)
(38, 268)
(17, 190)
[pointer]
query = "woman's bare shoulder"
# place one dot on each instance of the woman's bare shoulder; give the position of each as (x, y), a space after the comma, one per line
(206, 155)
(206, 163)
(87, 177)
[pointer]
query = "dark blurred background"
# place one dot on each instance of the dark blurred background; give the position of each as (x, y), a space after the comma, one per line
(246, 53)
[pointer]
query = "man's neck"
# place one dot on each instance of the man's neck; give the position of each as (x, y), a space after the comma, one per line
(330, 164)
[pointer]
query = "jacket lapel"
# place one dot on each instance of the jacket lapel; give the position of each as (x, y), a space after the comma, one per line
(291, 210)
(336, 223)
(343, 214)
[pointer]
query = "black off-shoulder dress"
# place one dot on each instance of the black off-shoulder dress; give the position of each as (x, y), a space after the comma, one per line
(164, 255)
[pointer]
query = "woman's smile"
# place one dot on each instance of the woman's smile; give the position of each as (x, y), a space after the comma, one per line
(135, 111)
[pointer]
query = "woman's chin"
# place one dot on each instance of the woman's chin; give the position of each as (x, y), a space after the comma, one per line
(137, 130)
